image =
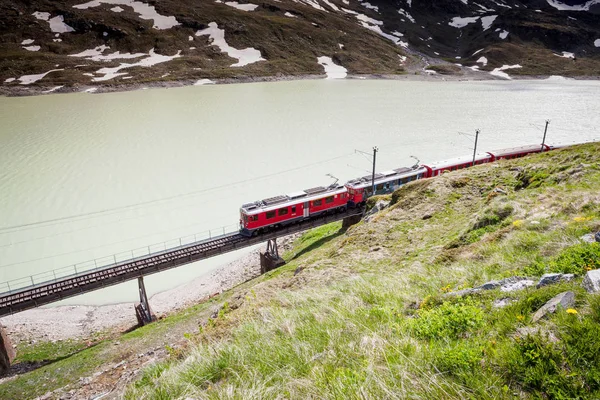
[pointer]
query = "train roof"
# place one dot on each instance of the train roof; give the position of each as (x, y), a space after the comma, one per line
(286, 200)
(457, 161)
(516, 150)
(382, 177)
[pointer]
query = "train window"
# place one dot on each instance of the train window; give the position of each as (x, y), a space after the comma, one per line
(283, 211)
(317, 202)
(270, 214)
(253, 218)
(329, 199)
(379, 187)
(293, 209)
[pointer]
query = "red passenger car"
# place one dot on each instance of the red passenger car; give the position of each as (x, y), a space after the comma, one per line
(516, 152)
(386, 182)
(279, 211)
(454, 164)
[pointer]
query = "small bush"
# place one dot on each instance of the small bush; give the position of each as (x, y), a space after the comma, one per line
(462, 357)
(577, 259)
(448, 321)
(535, 364)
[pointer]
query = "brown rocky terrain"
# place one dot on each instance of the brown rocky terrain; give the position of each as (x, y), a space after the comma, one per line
(115, 43)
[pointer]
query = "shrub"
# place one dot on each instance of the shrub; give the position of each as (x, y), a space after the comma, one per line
(448, 321)
(569, 368)
(461, 357)
(535, 364)
(577, 259)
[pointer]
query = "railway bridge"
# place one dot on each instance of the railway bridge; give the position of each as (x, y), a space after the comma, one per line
(30, 294)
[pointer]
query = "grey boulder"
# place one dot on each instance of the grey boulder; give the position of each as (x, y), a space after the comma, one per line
(563, 300)
(591, 282)
(550, 279)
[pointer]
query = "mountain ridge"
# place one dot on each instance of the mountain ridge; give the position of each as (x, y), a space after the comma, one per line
(108, 43)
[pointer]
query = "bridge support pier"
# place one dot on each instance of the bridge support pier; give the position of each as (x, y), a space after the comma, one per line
(270, 259)
(349, 221)
(142, 309)
(7, 353)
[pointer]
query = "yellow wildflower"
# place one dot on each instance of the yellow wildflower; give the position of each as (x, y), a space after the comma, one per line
(581, 219)
(518, 223)
(520, 317)
(571, 311)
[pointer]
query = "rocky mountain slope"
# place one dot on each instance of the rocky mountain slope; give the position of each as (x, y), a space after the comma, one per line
(106, 43)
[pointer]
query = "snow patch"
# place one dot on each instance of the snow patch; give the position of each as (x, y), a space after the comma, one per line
(580, 7)
(27, 41)
(597, 42)
(374, 25)
(217, 37)
(566, 54)
(204, 82)
(460, 22)
(332, 70)
(117, 9)
(144, 10)
(483, 8)
(243, 7)
(152, 59)
(487, 22)
(482, 60)
(407, 15)
(314, 4)
(57, 24)
(503, 35)
(370, 6)
(28, 79)
(331, 5)
(90, 90)
(9, 80)
(498, 71)
(55, 88)
(95, 54)
(289, 14)
(557, 78)
(32, 48)
(341, 46)
(478, 51)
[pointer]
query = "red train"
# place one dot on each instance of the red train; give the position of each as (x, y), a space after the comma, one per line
(272, 213)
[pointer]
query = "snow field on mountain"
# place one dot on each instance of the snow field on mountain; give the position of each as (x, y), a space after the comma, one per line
(152, 59)
(242, 7)
(332, 70)
(217, 36)
(144, 10)
(28, 79)
(499, 71)
(57, 24)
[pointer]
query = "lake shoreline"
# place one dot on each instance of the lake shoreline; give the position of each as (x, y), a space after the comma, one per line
(417, 76)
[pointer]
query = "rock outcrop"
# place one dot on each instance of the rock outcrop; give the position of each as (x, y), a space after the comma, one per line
(563, 300)
(550, 279)
(591, 282)
(379, 206)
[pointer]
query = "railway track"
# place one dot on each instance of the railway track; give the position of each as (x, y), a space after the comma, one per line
(73, 285)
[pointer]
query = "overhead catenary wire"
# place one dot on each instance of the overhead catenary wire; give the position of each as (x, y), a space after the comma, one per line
(14, 228)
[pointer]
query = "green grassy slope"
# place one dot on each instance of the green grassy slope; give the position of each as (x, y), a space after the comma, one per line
(364, 313)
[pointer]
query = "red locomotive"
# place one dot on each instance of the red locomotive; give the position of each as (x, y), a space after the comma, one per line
(283, 210)
(275, 212)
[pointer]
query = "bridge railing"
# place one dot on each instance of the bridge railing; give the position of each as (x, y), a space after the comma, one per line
(55, 275)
